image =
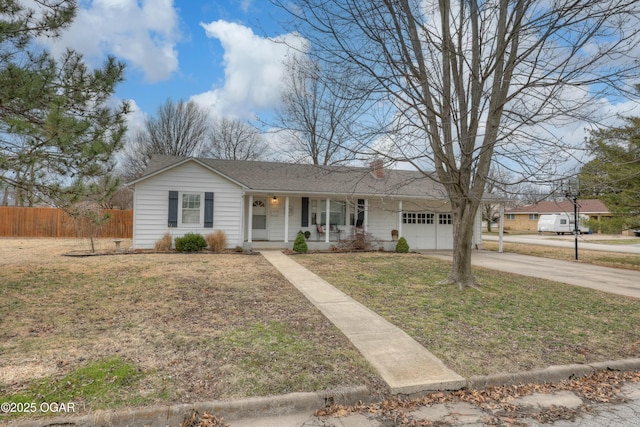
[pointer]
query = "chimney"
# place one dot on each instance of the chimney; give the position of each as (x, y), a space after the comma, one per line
(377, 168)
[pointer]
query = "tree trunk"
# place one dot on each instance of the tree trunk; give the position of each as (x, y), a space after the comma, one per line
(463, 222)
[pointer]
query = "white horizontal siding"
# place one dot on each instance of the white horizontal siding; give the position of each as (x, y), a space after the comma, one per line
(382, 217)
(151, 207)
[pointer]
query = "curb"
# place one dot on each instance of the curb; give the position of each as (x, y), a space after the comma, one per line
(173, 415)
(551, 374)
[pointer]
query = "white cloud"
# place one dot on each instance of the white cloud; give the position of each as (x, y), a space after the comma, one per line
(136, 119)
(253, 68)
(144, 33)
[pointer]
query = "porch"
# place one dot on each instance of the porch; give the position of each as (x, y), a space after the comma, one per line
(274, 220)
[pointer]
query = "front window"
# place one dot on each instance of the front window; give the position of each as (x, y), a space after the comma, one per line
(337, 213)
(533, 217)
(191, 208)
(510, 217)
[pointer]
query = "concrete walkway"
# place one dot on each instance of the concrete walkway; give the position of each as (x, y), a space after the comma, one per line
(613, 280)
(403, 364)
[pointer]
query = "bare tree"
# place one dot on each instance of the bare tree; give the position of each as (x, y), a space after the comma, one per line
(179, 129)
(317, 113)
(469, 82)
(234, 140)
(501, 184)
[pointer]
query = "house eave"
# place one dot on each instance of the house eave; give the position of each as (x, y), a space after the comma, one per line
(250, 191)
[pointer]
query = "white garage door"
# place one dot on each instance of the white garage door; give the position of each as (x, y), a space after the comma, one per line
(445, 231)
(426, 230)
(419, 229)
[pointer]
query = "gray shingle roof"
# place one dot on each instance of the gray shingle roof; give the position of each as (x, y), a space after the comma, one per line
(304, 178)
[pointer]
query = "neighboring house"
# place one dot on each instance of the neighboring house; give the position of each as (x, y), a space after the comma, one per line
(525, 218)
(265, 204)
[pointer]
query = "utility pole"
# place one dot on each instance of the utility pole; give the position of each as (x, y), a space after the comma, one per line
(573, 194)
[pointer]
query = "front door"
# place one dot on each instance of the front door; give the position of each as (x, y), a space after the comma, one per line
(259, 220)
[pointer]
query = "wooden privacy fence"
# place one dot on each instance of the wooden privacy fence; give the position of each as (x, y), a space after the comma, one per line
(52, 222)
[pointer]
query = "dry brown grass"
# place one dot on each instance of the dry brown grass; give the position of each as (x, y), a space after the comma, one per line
(199, 326)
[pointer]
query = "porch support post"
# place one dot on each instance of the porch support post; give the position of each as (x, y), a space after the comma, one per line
(243, 223)
(347, 213)
(250, 220)
(286, 219)
(327, 226)
(366, 215)
(400, 219)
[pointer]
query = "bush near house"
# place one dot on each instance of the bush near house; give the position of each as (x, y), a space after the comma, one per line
(300, 244)
(217, 241)
(402, 246)
(190, 242)
(164, 244)
(358, 241)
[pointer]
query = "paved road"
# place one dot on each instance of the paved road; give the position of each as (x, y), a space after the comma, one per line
(586, 241)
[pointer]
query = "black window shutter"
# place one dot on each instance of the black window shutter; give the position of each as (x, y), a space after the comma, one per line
(173, 208)
(208, 210)
(305, 212)
(360, 218)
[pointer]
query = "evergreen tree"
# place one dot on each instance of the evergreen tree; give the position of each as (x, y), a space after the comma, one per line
(55, 125)
(300, 244)
(613, 175)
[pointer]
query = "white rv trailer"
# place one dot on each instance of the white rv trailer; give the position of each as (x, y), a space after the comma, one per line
(560, 224)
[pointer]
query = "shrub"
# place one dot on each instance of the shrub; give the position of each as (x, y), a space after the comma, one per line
(358, 241)
(190, 242)
(217, 241)
(300, 245)
(164, 244)
(402, 246)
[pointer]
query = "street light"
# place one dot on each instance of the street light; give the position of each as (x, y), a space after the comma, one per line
(573, 194)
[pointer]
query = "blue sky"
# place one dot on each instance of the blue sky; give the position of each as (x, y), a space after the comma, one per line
(219, 53)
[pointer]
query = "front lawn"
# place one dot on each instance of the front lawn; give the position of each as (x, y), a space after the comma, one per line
(513, 323)
(138, 329)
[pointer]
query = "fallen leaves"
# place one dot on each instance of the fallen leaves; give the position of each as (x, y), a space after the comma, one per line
(600, 386)
(204, 420)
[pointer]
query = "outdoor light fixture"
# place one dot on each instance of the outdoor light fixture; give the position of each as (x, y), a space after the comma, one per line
(275, 199)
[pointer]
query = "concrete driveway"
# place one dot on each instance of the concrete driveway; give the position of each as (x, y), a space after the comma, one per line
(606, 279)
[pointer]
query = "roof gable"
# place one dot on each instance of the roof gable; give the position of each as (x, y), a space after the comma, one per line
(161, 163)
